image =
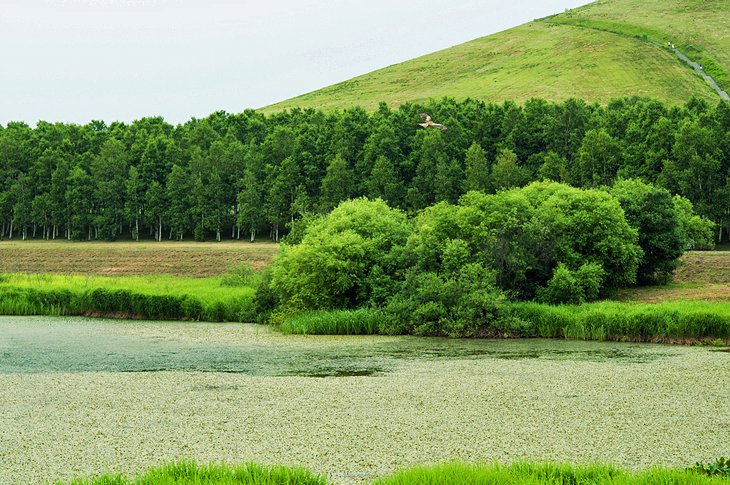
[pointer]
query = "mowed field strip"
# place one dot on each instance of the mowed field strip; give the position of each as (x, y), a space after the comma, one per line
(702, 275)
(196, 259)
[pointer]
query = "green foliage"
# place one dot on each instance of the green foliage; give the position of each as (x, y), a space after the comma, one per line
(328, 268)
(720, 468)
(189, 472)
(457, 304)
(337, 185)
(506, 172)
(651, 211)
(695, 231)
(246, 173)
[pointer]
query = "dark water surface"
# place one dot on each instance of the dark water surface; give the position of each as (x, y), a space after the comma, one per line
(58, 344)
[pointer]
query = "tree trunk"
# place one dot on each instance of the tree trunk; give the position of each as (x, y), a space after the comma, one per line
(11, 229)
(253, 234)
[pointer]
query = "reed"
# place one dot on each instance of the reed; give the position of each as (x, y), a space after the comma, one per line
(334, 322)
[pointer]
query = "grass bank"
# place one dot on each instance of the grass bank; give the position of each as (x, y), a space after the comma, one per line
(683, 321)
(221, 298)
(189, 472)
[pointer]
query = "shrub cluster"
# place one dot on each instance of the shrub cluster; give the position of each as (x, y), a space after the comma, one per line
(454, 268)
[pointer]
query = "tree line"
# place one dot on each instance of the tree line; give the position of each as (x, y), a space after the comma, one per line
(247, 174)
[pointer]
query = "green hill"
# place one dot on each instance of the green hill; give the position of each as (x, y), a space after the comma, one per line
(610, 48)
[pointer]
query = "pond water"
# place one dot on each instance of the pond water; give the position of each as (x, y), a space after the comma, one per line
(46, 344)
(79, 397)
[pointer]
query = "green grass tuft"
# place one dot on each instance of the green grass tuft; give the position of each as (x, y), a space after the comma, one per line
(188, 472)
(334, 322)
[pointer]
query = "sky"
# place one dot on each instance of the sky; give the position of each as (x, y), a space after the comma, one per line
(120, 60)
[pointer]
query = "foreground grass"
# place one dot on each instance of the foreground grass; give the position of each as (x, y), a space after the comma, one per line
(188, 472)
(151, 297)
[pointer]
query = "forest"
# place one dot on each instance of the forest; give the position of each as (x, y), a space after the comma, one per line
(246, 175)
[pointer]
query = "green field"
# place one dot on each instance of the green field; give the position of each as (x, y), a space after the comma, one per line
(598, 52)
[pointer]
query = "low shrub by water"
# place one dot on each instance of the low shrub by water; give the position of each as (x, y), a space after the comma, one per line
(336, 322)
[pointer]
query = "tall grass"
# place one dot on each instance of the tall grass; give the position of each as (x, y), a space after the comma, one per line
(152, 297)
(548, 473)
(637, 322)
(693, 320)
(335, 322)
(188, 472)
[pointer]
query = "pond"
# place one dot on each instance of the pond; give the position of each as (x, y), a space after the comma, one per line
(84, 396)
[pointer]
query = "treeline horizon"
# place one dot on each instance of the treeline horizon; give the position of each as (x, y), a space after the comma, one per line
(240, 175)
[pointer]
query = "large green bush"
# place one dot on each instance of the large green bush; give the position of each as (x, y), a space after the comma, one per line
(651, 211)
(331, 267)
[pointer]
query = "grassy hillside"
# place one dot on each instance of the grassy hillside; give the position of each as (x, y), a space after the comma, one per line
(604, 50)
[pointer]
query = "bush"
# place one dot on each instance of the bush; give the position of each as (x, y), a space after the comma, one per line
(327, 270)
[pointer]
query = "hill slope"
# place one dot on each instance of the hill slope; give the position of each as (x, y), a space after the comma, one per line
(610, 48)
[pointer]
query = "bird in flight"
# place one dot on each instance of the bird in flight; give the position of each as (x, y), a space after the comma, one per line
(427, 122)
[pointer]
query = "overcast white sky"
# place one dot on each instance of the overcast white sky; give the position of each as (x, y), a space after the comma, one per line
(78, 60)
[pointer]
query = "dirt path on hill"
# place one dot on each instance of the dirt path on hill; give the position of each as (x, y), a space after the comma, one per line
(699, 69)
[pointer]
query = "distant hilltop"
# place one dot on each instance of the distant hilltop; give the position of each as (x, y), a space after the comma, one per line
(608, 49)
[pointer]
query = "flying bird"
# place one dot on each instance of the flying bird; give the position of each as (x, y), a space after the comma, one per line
(427, 122)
